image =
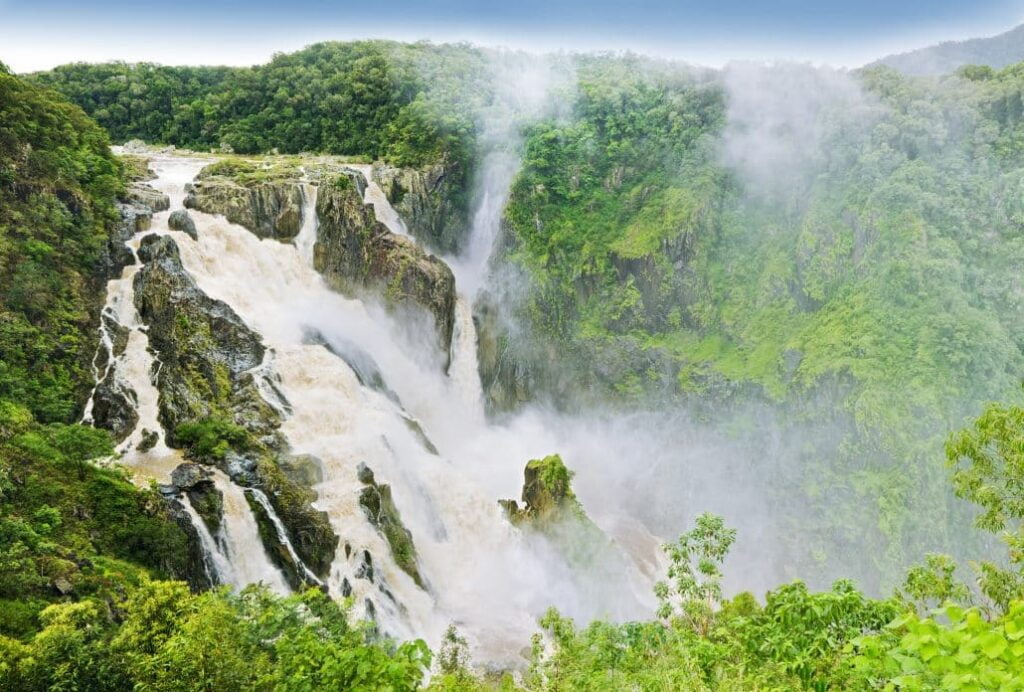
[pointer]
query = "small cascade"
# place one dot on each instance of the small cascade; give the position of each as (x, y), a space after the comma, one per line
(282, 533)
(305, 241)
(215, 562)
(464, 371)
(240, 541)
(375, 197)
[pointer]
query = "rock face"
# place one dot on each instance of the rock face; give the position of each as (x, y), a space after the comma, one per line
(375, 499)
(179, 220)
(145, 194)
(506, 381)
(197, 483)
(205, 350)
(431, 201)
(547, 494)
(207, 355)
(268, 209)
(356, 253)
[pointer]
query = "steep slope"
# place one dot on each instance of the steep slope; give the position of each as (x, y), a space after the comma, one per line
(69, 529)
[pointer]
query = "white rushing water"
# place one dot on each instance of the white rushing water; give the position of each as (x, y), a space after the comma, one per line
(483, 574)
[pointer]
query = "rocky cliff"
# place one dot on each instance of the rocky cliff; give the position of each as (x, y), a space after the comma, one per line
(431, 201)
(356, 253)
(271, 209)
(211, 405)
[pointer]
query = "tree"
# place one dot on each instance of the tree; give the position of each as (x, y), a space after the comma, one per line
(987, 459)
(695, 589)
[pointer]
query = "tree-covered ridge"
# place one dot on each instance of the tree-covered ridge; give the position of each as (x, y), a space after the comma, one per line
(407, 103)
(58, 183)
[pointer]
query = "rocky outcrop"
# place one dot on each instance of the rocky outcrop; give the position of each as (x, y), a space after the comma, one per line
(206, 356)
(309, 530)
(552, 513)
(206, 352)
(197, 575)
(356, 253)
(505, 379)
(376, 501)
(196, 482)
(547, 493)
(268, 209)
(145, 194)
(431, 201)
(179, 220)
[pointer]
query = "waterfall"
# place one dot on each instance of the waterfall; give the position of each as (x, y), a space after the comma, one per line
(485, 574)
(305, 241)
(215, 562)
(375, 197)
(282, 532)
(241, 544)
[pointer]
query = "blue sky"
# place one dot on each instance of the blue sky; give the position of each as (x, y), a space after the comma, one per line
(40, 34)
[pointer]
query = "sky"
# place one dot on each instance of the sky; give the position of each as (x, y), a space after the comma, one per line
(40, 34)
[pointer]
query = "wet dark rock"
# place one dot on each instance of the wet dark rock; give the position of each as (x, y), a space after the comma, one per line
(431, 201)
(113, 407)
(179, 220)
(149, 440)
(145, 194)
(365, 568)
(269, 210)
(380, 509)
(357, 254)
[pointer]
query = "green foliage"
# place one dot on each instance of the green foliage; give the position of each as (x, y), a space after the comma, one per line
(67, 525)
(167, 639)
(211, 438)
(988, 463)
(554, 476)
(955, 649)
(58, 182)
(407, 103)
(696, 558)
(871, 302)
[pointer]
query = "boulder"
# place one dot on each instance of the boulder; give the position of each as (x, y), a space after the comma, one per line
(356, 253)
(379, 506)
(270, 209)
(145, 194)
(179, 220)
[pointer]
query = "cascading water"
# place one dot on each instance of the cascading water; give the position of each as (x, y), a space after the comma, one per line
(490, 578)
(236, 556)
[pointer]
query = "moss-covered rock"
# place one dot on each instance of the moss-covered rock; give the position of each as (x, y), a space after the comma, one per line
(145, 194)
(309, 529)
(547, 493)
(206, 352)
(376, 500)
(431, 201)
(269, 205)
(356, 253)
